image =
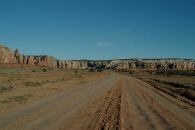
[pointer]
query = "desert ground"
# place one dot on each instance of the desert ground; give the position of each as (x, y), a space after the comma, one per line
(53, 99)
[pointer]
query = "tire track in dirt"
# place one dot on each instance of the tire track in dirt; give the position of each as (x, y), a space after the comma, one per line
(149, 102)
(137, 117)
(104, 113)
(150, 109)
(162, 113)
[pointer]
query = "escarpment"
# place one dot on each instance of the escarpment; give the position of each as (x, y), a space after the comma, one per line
(7, 56)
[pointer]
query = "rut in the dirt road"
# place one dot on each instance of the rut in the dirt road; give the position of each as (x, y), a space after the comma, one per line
(106, 114)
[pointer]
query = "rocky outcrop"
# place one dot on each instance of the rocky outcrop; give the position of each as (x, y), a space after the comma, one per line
(30, 60)
(19, 57)
(154, 64)
(7, 56)
(45, 61)
(75, 64)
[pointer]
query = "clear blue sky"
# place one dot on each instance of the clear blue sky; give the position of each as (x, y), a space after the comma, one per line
(99, 29)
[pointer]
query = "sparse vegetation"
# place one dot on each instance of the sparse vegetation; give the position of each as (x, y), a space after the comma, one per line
(18, 99)
(44, 70)
(100, 70)
(33, 70)
(91, 70)
(33, 83)
(5, 88)
(174, 72)
(177, 84)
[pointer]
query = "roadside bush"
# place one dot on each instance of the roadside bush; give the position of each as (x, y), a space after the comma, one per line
(44, 70)
(33, 83)
(100, 70)
(33, 70)
(4, 88)
(91, 70)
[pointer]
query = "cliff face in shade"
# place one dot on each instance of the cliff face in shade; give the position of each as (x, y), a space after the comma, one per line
(7, 56)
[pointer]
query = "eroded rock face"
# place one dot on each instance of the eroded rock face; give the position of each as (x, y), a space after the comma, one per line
(46, 61)
(155, 64)
(6, 55)
(42, 61)
(30, 60)
(19, 58)
(25, 59)
(75, 64)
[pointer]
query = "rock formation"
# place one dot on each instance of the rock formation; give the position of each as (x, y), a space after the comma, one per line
(7, 56)
(18, 56)
(30, 60)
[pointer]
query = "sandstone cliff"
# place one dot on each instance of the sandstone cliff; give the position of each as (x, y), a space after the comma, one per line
(7, 56)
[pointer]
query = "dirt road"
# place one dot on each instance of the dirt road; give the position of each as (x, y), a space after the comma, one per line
(144, 107)
(113, 102)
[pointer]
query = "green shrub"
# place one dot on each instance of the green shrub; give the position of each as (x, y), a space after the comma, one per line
(33, 70)
(44, 70)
